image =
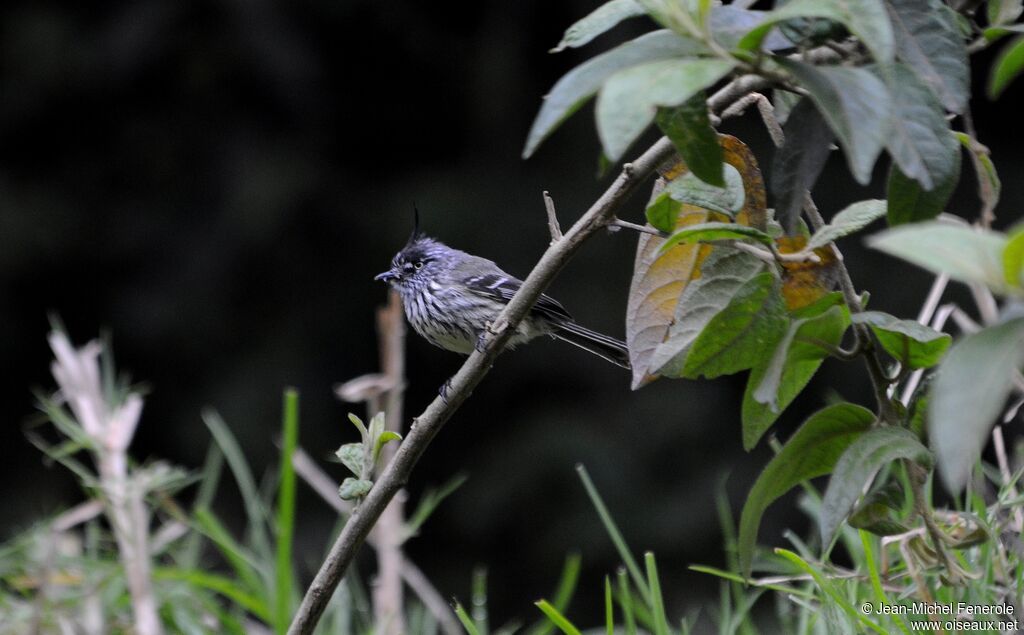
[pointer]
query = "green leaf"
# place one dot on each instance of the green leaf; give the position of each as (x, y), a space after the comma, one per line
(799, 161)
(598, 21)
(875, 512)
(721, 276)
(989, 185)
(775, 382)
(964, 253)
(284, 580)
(812, 451)
(912, 343)
(663, 212)
(969, 391)
(351, 456)
(730, 23)
(689, 129)
(628, 101)
(581, 83)
(784, 101)
(557, 618)
(385, 437)
(919, 139)
(1004, 11)
(866, 19)
(856, 104)
(1013, 258)
(728, 200)
(715, 231)
(853, 218)
(858, 465)
(352, 488)
(742, 333)
(358, 423)
(1009, 63)
(929, 41)
(911, 203)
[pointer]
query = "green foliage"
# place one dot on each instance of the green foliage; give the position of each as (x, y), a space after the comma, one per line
(851, 219)
(799, 161)
(583, 82)
(629, 99)
(728, 199)
(812, 451)
(963, 253)
(856, 467)
(689, 128)
(911, 343)
(361, 458)
(972, 384)
(738, 334)
(866, 19)
(856, 104)
(1008, 66)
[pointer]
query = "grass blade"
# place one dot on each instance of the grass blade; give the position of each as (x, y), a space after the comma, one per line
(286, 512)
(657, 602)
(614, 534)
(557, 618)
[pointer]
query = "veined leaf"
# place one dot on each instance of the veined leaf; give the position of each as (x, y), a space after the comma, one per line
(740, 334)
(728, 200)
(716, 231)
(852, 219)
(964, 253)
(689, 128)
(912, 343)
(630, 98)
(581, 83)
(812, 451)
(799, 161)
(858, 465)
(909, 202)
(919, 139)
(721, 276)
(929, 41)
(856, 104)
(969, 391)
(866, 19)
(774, 383)
(658, 280)
(598, 21)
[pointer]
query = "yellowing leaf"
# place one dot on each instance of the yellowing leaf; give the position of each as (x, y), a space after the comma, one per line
(658, 280)
(755, 204)
(806, 282)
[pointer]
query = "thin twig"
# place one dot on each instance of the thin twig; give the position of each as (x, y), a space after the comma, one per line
(643, 229)
(553, 227)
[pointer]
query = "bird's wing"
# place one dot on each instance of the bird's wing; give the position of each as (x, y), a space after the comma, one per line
(502, 288)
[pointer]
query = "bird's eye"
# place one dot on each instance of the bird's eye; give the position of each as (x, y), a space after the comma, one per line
(418, 264)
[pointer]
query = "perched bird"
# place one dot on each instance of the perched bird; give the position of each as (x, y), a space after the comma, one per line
(451, 297)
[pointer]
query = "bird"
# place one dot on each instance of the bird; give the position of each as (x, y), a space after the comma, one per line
(451, 298)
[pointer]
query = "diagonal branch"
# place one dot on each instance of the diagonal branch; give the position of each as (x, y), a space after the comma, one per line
(428, 424)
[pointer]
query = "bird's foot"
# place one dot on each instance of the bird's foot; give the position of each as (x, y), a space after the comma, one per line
(444, 390)
(482, 340)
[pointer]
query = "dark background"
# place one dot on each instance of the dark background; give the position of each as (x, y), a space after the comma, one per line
(216, 183)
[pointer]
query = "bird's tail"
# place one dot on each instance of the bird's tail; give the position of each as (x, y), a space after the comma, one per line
(603, 346)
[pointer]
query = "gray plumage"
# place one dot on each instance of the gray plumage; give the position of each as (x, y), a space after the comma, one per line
(451, 296)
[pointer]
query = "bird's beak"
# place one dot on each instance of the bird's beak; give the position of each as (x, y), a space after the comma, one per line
(387, 276)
